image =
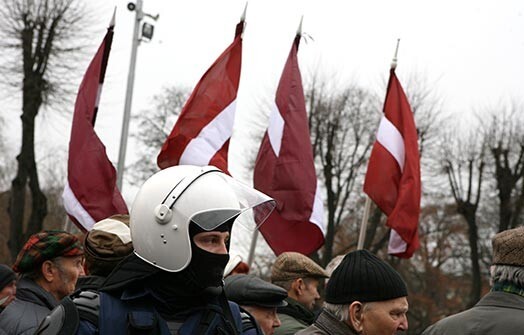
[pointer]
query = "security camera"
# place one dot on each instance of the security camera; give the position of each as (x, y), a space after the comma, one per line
(131, 6)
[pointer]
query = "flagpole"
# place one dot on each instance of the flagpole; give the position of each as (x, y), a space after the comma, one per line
(252, 248)
(367, 206)
(364, 224)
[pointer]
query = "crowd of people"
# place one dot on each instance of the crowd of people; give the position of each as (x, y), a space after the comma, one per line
(161, 270)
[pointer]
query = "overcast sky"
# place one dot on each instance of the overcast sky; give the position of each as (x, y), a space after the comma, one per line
(473, 51)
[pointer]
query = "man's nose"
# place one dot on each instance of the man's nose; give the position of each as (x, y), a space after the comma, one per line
(276, 322)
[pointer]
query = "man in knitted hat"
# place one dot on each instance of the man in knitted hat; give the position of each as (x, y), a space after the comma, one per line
(259, 300)
(300, 277)
(501, 311)
(49, 264)
(364, 295)
(7, 286)
(105, 245)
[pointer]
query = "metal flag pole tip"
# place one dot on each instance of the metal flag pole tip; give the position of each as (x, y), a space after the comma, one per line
(113, 19)
(243, 17)
(394, 61)
(299, 30)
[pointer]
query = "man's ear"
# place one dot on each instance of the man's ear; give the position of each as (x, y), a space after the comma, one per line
(48, 271)
(298, 286)
(356, 311)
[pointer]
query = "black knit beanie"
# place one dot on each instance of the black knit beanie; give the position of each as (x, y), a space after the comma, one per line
(362, 276)
(7, 275)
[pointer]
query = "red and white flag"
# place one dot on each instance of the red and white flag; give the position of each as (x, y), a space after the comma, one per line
(90, 193)
(285, 169)
(393, 175)
(205, 125)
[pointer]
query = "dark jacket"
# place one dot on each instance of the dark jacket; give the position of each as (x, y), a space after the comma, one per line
(327, 324)
(31, 306)
(496, 313)
(294, 317)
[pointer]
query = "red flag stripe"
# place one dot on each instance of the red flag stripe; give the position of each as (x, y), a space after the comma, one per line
(205, 124)
(90, 193)
(285, 169)
(393, 175)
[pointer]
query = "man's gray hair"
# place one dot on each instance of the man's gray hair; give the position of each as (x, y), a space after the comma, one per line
(341, 312)
(507, 273)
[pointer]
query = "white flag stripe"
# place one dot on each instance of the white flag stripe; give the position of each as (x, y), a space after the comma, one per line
(317, 215)
(98, 94)
(211, 138)
(391, 139)
(74, 207)
(275, 129)
(396, 243)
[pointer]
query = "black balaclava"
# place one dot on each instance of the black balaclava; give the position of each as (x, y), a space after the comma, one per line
(195, 285)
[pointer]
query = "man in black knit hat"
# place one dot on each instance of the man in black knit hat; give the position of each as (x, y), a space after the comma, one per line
(7, 286)
(364, 295)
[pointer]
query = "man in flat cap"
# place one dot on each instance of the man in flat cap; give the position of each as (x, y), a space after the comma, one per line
(501, 311)
(364, 295)
(260, 299)
(299, 276)
(7, 286)
(49, 264)
(105, 245)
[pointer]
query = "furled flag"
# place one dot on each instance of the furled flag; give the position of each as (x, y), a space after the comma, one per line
(90, 193)
(203, 129)
(285, 169)
(393, 175)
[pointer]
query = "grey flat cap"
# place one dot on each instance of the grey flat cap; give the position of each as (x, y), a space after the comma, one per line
(249, 290)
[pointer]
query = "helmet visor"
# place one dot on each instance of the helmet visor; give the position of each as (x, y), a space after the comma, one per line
(227, 200)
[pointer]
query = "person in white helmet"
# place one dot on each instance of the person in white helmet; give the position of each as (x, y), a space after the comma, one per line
(172, 283)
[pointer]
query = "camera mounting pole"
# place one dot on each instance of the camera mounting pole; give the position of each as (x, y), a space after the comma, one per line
(139, 15)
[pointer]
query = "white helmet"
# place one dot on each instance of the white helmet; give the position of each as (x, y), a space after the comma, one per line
(172, 198)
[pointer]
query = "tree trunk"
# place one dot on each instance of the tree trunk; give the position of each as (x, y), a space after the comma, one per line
(32, 100)
(474, 257)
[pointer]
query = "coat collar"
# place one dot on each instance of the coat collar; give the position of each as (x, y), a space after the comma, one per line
(327, 322)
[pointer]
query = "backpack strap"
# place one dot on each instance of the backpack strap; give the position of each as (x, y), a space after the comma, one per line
(63, 320)
(88, 305)
(234, 324)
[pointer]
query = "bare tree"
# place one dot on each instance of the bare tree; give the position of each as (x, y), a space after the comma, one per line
(463, 161)
(38, 35)
(504, 134)
(154, 126)
(341, 134)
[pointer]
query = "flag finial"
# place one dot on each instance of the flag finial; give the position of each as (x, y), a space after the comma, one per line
(112, 22)
(299, 30)
(243, 17)
(394, 61)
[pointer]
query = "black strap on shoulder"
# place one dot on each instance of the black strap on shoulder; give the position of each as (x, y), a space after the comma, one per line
(88, 305)
(63, 320)
(229, 319)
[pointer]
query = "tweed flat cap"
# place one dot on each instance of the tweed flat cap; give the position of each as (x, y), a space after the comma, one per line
(293, 265)
(46, 245)
(508, 247)
(249, 290)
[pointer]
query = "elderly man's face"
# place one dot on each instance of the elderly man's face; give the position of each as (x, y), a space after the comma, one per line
(67, 270)
(7, 294)
(385, 317)
(266, 317)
